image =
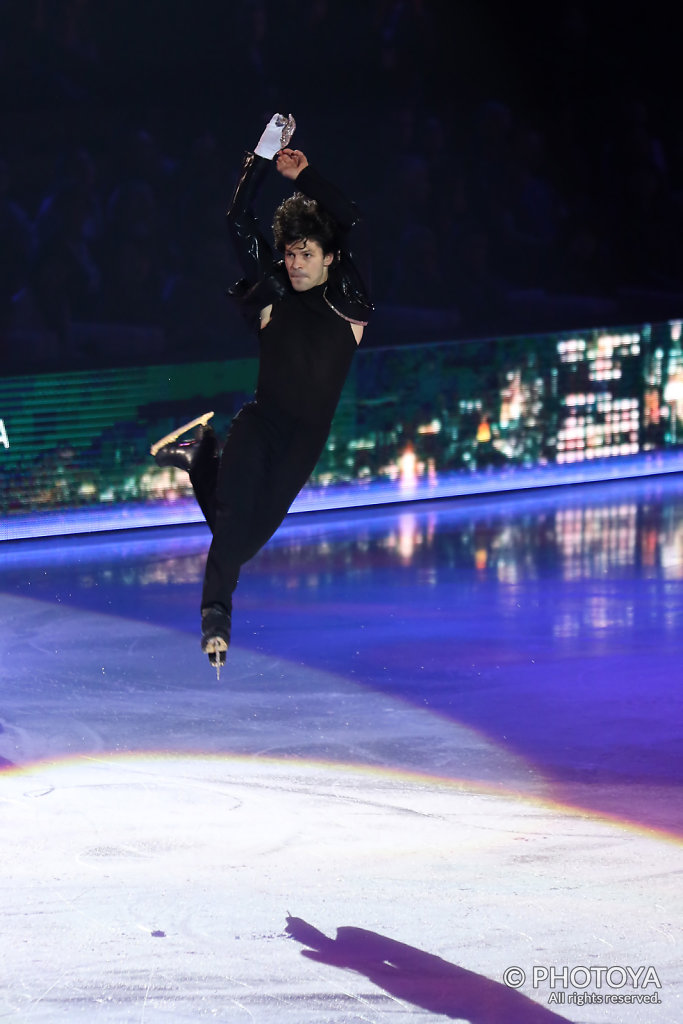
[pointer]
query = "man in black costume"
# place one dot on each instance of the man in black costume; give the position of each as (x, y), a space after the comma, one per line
(309, 307)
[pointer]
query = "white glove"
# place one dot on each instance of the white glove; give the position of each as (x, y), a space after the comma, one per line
(276, 136)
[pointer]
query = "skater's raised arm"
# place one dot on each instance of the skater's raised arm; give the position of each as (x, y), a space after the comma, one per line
(253, 251)
(258, 288)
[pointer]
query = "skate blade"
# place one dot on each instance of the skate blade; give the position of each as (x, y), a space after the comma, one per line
(216, 649)
(201, 421)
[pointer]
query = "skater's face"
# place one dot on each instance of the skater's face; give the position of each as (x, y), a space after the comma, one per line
(306, 264)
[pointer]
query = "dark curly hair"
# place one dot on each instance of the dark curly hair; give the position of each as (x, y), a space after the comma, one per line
(299, 218)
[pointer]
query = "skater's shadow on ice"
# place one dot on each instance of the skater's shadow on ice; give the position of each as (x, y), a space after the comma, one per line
(420, 978)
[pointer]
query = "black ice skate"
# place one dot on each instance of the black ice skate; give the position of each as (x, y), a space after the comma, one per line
(216, 635)
(169, 451)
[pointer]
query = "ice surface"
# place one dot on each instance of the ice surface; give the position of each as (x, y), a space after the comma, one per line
(438, 751)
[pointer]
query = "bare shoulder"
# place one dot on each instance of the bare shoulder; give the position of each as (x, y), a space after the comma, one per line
(265, 315)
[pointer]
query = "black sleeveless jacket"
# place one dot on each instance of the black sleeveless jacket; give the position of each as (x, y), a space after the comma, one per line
(347, 290)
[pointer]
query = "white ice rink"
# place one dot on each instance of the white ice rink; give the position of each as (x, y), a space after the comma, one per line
(159, 834)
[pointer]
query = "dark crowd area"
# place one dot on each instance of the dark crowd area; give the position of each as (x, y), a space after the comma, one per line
(520, 166)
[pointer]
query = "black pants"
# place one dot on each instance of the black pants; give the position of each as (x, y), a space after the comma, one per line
(266, 460)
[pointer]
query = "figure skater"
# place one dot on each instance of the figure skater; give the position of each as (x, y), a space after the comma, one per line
(309, 303)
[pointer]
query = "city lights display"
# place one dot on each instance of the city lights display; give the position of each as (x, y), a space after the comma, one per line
(414, 421)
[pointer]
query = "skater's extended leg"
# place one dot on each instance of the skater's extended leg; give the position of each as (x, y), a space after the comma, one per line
(285, 480)
(204, 475)
(251, 449)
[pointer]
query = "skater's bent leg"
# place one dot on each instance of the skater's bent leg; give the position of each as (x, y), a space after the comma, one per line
(204, 476)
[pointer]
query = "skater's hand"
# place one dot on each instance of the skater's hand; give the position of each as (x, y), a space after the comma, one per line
(290, 163)
(276, 135)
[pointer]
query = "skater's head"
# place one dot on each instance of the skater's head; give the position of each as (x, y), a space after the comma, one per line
(306, 236)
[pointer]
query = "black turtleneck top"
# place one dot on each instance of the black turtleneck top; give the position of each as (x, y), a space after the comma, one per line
(305, 355)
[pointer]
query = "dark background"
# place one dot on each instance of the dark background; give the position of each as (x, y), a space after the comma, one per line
(520, 165)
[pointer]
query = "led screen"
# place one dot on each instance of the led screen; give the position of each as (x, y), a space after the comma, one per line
(418, 421)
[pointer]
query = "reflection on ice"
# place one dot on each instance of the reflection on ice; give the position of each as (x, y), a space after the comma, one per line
(512, 539)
